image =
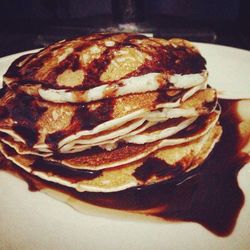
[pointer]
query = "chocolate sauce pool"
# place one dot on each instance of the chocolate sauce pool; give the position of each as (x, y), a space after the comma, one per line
(209, 195)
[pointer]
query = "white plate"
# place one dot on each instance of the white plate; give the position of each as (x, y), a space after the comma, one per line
(33, 220)
(229, 70)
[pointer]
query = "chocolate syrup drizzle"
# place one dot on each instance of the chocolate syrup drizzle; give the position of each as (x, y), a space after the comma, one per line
(3, 90)
(57, 169)
(24, 110)
(154, 166)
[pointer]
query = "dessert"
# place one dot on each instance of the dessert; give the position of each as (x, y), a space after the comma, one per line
(107, 112)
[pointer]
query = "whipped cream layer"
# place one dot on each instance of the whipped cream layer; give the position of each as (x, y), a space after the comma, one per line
(137, 84)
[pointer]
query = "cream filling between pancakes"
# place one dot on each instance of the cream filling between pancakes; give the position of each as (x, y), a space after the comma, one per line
(138, 84)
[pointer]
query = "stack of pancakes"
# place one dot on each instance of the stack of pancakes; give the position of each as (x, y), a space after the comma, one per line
(106, 112)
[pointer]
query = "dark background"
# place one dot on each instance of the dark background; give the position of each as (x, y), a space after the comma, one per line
(31, 24)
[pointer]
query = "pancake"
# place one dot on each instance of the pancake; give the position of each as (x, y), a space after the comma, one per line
(92, 68)
(165, 164)
(106, 112)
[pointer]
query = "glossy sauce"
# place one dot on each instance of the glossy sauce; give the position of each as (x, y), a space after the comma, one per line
(209, 195)
(64, 172)
(170, 96)
(89, 119)
(156, 167)
(24, 110)
(3, 90)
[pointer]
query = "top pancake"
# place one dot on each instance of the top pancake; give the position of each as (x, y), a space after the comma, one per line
(108, 65)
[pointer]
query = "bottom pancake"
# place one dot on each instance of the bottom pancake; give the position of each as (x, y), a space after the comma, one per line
(165, 164)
